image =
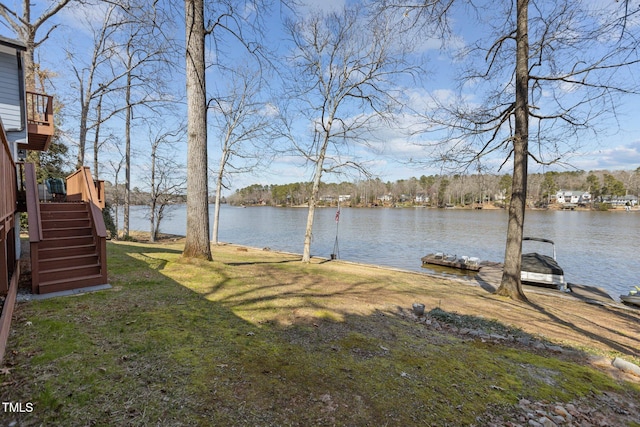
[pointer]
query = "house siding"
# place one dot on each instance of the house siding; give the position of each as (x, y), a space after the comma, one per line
(10, 102)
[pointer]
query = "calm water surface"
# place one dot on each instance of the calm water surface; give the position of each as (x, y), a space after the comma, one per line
(594, 248)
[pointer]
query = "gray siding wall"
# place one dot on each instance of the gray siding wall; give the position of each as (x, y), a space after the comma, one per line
(10, 104)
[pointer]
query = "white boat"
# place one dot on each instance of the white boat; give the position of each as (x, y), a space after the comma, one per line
(542, 270)
(632, 298)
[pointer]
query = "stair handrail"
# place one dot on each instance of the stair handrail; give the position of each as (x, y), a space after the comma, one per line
(80, 183)
(33, 204)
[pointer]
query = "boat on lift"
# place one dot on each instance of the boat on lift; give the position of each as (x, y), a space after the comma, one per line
(632, 298)
(540, 269)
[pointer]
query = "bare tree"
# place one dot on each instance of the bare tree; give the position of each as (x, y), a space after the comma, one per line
(95, 77)
(243, 122)
(145, 61)
(548, 73)
(128, 54)
(343, 66)
(101, 139)
(116, 166)
(165, 182)
(25, 27)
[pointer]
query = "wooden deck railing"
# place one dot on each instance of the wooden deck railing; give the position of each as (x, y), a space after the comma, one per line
(8, 179)
(40, 121)
(9, 264)
(40, 109)
(81, 186)
(8, 191)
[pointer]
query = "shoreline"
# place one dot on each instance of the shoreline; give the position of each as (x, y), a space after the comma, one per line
(486, 278)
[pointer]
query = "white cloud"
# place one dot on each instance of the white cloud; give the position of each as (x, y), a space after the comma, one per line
(616, 158)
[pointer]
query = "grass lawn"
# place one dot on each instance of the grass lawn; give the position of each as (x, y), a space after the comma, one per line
(257, 338)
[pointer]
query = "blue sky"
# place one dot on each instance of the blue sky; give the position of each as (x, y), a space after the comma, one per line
(615, 145)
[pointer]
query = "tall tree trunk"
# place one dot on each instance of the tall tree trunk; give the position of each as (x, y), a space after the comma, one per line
(317, 176)
(127, 158)
(29, 66)
(82, 132)
(96, 140)
(116, 202)
(511, 284)
(308, 234)
(154, 196)
(28, 36)
(197, 241)
(216, 208)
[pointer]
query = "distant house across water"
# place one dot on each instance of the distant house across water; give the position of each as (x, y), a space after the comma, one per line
(628, 200)
(421, 198)
(573, 197)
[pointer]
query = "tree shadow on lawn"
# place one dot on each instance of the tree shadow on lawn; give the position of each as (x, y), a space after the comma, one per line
(268, 290)
(616, 328)
(614, 338)
(315, 336)
(296, 351)
(284, 261)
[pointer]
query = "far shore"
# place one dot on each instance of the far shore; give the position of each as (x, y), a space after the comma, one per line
(487, 206)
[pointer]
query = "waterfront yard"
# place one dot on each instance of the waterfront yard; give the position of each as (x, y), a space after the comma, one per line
(257, 338)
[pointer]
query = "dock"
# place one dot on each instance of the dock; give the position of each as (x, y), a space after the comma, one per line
(490, 276)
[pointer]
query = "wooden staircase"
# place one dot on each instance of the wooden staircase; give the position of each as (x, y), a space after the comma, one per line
(67, 240)
(68, 254)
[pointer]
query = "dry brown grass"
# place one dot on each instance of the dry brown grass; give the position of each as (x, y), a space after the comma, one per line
(339, 288)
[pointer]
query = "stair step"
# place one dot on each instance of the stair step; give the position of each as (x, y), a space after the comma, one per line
(63, 262)
(63, 242)
(48, 224)
(64, 215)
(69, 272)
(70, 284)
(59, 207)
(59, 252)
(66, 232)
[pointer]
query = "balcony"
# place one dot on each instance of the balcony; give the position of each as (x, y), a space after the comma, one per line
(39, 122)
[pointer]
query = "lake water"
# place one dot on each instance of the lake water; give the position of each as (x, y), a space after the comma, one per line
(594, 248)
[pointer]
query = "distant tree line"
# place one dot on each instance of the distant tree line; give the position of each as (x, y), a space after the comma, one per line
(115, 195)
(443, 190)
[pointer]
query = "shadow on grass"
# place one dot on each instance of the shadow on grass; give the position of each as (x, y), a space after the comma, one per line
(485, 285)
(632, 348)
(286, 261)
(260, 288)
(610, 316)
